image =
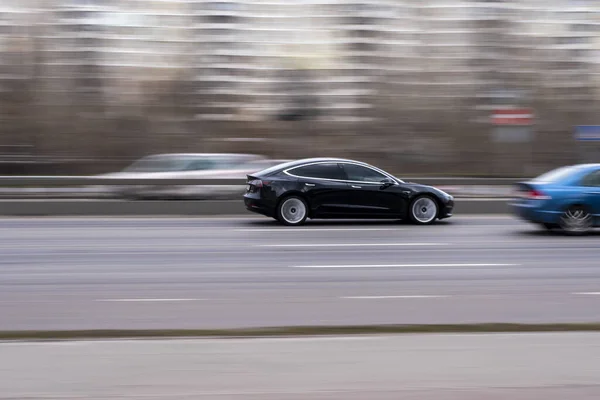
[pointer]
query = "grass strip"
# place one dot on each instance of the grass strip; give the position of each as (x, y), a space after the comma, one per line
(297, 331)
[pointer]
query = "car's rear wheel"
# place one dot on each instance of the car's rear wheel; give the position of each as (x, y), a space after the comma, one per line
(576, 220)
(292, 211)
(423, 210)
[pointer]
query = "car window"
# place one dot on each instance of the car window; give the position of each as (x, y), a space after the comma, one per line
(230, 162)
(201, 165)
(238, 162)
(359, 173)
(157, 164)
(319, 171)
(592, 179)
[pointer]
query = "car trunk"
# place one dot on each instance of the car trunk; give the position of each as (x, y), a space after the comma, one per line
(528, 191)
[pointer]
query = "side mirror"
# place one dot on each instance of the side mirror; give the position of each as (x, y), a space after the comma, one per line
(387, 182)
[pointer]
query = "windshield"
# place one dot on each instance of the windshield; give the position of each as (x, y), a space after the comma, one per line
(556, 174)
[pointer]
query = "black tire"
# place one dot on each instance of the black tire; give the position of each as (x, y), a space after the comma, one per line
(423, 210)
(550, 227)
(576, 221)
(292, 211)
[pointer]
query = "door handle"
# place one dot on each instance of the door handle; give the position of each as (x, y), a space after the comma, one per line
(357, 187)
(309, 184)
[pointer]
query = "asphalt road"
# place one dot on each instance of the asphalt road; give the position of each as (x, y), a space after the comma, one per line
(137, 273)
(424, 367)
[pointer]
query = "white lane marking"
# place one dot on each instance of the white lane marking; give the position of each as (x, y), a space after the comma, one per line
(405, 265)
(317, 229)
(393, 297)
(587, 293)
(352, 244)
(145, 300)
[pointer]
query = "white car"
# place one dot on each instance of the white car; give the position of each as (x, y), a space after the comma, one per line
(182, 166)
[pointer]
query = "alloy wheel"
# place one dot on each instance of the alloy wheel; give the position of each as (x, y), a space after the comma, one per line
(424, 210)
(293, 211)
(576, 220)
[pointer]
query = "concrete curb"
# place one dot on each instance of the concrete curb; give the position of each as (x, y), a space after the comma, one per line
(182, 208)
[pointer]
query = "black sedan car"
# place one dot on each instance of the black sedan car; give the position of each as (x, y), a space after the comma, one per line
(338, 188)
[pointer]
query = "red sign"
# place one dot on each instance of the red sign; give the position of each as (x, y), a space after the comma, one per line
(513, 117)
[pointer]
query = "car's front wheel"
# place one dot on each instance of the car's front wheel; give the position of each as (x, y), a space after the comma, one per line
(292, 211)
(423, 210)
(576, 220)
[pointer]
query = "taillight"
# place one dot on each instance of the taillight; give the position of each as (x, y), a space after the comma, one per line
(535, 194)
(255, 185)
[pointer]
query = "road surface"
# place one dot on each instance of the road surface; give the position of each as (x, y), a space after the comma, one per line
(138, 273)
(553, 366)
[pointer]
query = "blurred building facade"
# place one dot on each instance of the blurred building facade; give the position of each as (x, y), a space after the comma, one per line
(411, 84)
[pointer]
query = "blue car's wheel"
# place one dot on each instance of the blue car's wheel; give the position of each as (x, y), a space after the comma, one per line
(576, 220)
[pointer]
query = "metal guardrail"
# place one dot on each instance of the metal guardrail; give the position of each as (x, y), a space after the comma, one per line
(58, 181)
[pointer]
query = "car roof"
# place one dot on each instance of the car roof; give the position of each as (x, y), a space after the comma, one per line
(588, 166)
(565, 173)
(292, 164)
(582, 167)
(319, 160)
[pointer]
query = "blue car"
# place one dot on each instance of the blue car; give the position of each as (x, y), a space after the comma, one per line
(566, 198)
